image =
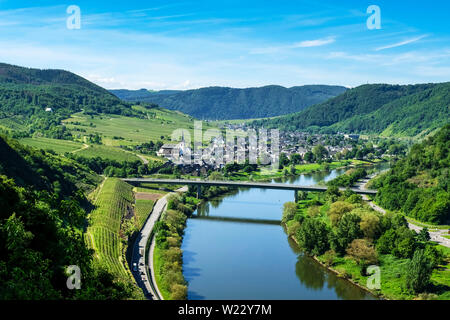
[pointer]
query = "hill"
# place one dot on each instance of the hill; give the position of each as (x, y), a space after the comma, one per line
(34, 99)
(43, 171)
(41, 228)
(418, 185)
(222, 103)
(379, 109)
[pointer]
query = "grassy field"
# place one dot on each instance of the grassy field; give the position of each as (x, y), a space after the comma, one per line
(59, 146)
(120, 130)
(103, 234)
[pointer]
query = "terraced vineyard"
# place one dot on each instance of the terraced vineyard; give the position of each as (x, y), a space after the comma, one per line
(103, 234)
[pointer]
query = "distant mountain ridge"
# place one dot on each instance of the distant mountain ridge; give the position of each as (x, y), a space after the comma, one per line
(408, 110)
(223, 103)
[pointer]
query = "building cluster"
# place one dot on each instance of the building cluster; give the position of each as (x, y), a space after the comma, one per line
(219, 152)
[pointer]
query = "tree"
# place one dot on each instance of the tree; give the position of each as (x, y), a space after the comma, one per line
(289, 211)
(319, 152)
(370, 223)
(346, 231)
(424, 235)
(418, 272)
(296, 159)
(283, 161)
(363, 252)
(337, 211)
(309, 156)
(313, 236)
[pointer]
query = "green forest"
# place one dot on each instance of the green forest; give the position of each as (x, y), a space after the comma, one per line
(43, 219)
(390, 110)
(418, 185)
(220, 103)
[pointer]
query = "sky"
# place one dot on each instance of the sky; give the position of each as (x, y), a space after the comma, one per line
(190, 44)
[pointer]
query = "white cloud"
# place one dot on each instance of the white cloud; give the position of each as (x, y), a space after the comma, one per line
(402, 43)
(314, 43)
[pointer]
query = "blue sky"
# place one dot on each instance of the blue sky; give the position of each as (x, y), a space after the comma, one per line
(191, 44)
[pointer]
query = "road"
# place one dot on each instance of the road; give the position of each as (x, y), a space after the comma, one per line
(146, 268)
(436, 236)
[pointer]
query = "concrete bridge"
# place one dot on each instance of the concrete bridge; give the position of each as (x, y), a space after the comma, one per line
(241, 184)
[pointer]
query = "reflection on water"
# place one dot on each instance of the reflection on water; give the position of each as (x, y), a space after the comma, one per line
(234, 249)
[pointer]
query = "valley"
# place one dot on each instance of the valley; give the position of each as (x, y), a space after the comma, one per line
(69, 143)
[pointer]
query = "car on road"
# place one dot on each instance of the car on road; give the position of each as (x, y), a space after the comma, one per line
(135, 268)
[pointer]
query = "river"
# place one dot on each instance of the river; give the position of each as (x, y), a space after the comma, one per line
(235, 248)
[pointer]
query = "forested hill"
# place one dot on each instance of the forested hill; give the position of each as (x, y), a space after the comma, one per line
(419, 184)
(43, 171)
(27, 92)
(42, 221)
(379, 108)
(222, 103)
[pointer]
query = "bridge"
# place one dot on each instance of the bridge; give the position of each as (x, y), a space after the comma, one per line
(241, 184)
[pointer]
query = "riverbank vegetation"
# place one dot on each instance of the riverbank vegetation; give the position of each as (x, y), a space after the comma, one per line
(168, 232)
(245, 172)
(168, 257)
(347, 235)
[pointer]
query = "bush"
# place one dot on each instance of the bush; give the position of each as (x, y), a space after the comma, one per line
(363, 252)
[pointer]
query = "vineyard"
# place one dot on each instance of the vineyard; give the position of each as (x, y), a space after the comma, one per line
(59, 146)
(142, 211)
(113, 202)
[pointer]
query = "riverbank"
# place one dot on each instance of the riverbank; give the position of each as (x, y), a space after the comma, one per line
(268, 175)
(168, 236)
(337, 272)
(363, 247)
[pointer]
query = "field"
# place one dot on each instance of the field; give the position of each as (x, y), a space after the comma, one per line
(120, 130)
(143, 209)
(105, 152)
(59, 146)
(103, 234)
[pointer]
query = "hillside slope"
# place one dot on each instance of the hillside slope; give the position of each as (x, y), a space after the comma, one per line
(395, 110)
(221, 103)
(419, 184)
(26, 93)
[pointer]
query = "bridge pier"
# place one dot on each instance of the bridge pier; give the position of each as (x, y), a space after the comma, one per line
(199, 191)
(295, 196)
